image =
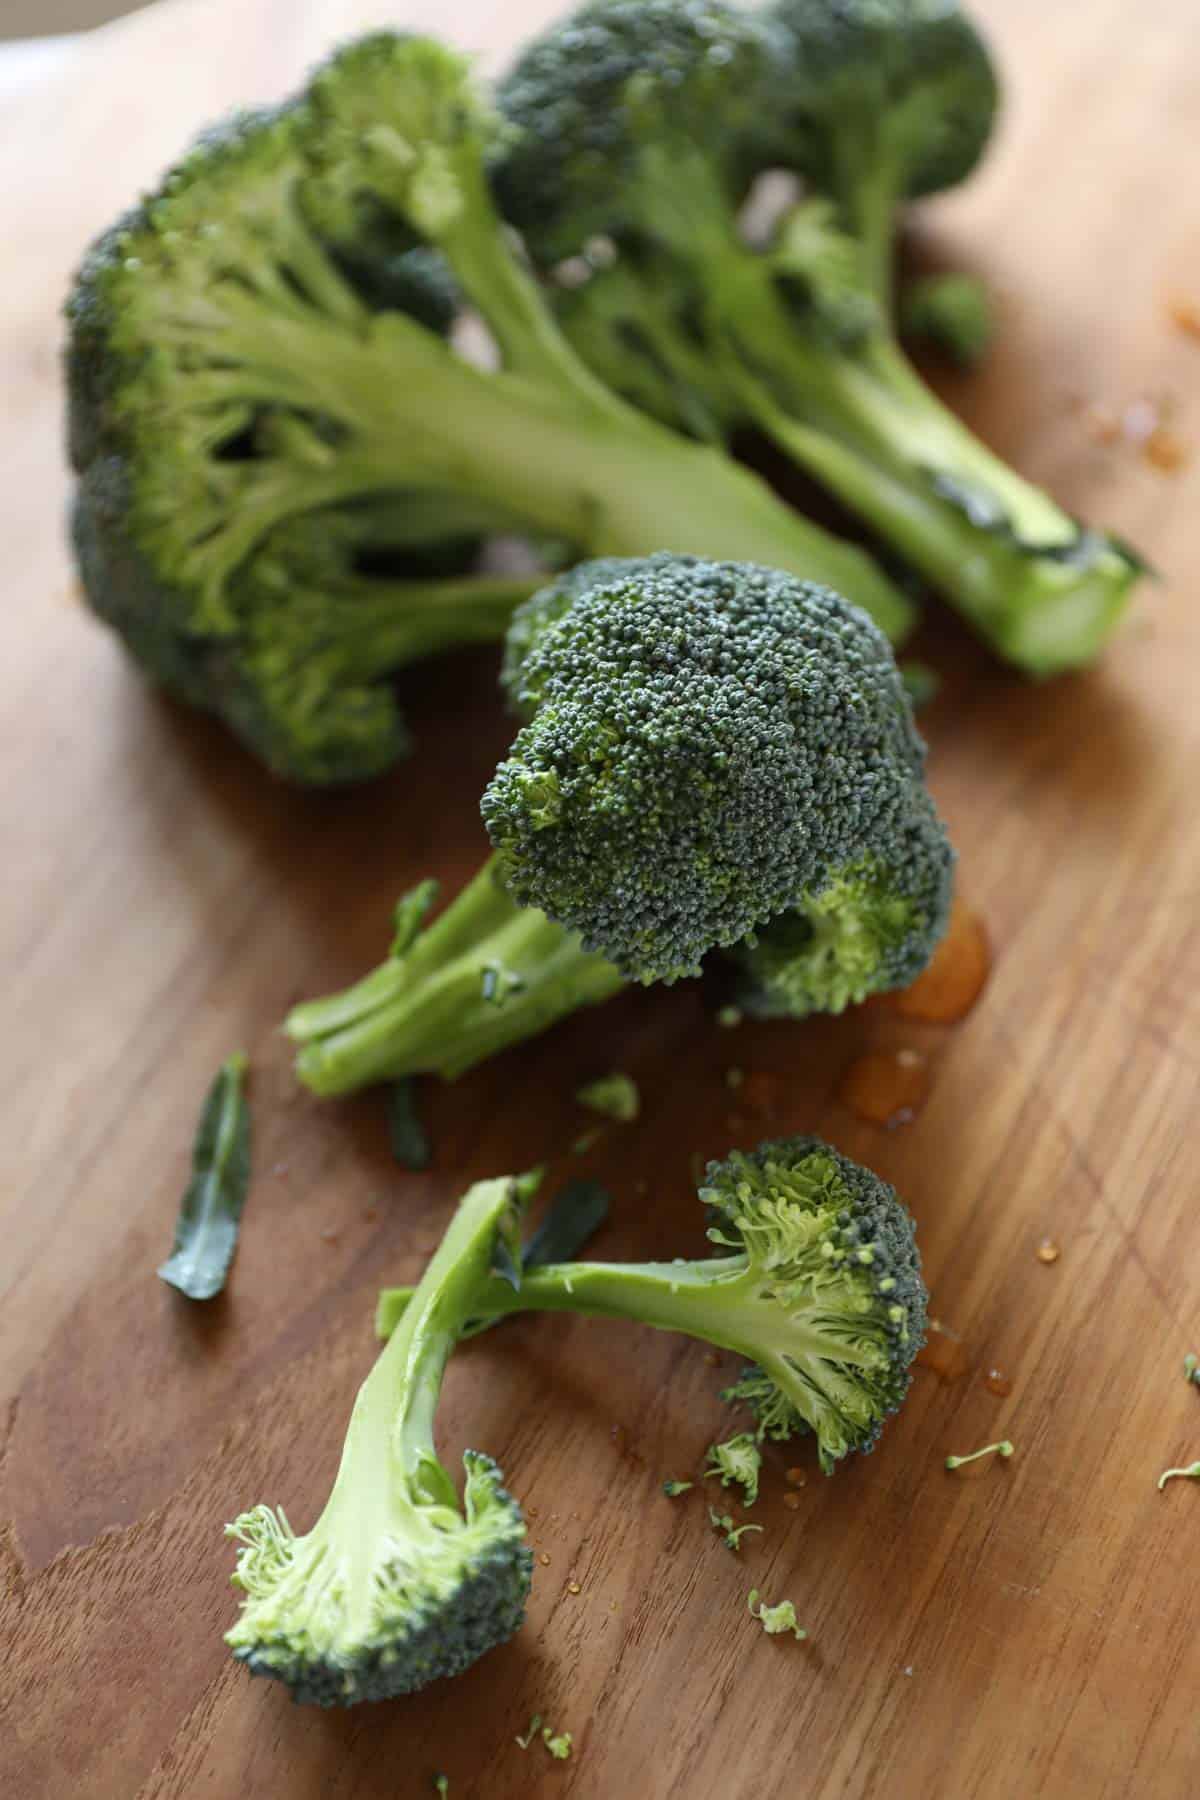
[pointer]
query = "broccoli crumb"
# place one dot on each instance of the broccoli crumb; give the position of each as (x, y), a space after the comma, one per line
(738, 1460)
(730, 1017)
(775, 1619)
(535, 1725)
(1191, 1473)
(557, 1743)
(615, 1096)
(1191, 1366)
(672, 1488)
(441, 1785)
(733, 1534)
(1003, 1449)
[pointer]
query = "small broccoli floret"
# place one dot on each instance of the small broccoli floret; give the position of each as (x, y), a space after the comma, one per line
(739, 1460)
(873, 103)
(263, 340)
(731, 1534)
(708, 746)
(819, 1286)
(882, 101)
(775, 1619)
(1003, 1450)
(398, 1582)
(719, 739)
(614, 1096)
(672, 1488)
(950, 312)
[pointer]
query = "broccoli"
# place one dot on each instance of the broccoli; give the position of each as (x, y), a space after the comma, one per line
(274, 435)
(732, 1534)
(614, 1096)
(639, 126)
(738, 1460)
(775, 1619)
(951, 313)
(1003, 1450)
(397, 1582)
(818, 1282)
(713, 752)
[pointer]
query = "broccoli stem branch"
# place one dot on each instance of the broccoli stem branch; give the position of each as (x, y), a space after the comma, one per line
(718, 1300)
(391, 1426)
(432, 1011)
(871, 431)
(383, 625)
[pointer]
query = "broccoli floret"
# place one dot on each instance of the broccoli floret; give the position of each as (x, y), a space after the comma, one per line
(872, 101)
(739, 1460)
(398, 1582)
(819, 1284)
(951, 313)
(881, 101)
(775, 1619)
(708, 746)
(262, 341)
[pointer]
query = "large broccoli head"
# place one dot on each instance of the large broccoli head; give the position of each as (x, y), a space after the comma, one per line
(614, 84)
(831, 1249)
(710, 746)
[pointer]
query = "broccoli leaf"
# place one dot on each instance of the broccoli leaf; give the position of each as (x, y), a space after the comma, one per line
(206, 1231)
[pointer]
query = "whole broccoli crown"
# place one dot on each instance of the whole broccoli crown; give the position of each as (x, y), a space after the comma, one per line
(834, 1248)
(913, 78)
(872, 927)
(611, 77)
(339, 1625)
(708, 743)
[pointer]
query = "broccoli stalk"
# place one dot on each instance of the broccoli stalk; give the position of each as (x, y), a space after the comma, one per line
(485, 975)
(685, 100)
(398, 1581)
(714, 755)
(819, 1287)
(230, 370)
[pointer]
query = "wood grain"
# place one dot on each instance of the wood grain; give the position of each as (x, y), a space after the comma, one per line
(1018, 1630)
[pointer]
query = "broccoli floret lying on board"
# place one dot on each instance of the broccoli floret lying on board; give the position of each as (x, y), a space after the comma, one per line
(399, 1581)
(262, 344)
(817, 1281)
(640, 125)
(716, 756)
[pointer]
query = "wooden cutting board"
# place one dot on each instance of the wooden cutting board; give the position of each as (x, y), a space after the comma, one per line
(1023, 1629)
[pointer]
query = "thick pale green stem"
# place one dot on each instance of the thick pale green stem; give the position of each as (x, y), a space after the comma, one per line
(486, 974)
(382, 625)
(718, 1301)
(397, 1401)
